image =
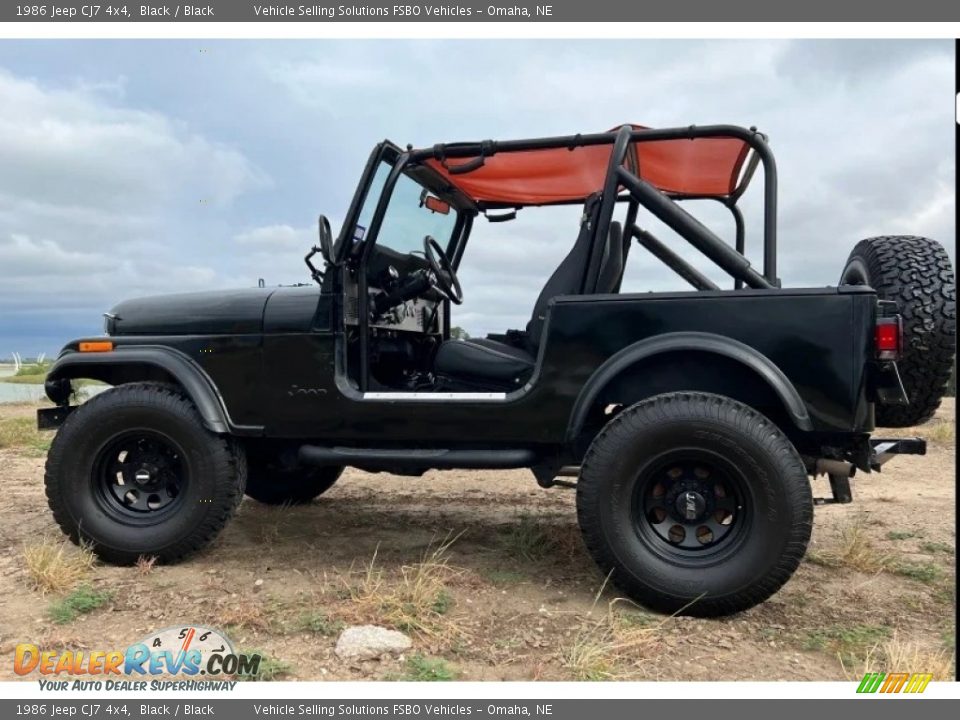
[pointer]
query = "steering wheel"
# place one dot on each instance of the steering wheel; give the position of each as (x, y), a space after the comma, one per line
(445, 276)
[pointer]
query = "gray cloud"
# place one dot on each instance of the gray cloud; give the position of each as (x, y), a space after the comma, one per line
(193, 170)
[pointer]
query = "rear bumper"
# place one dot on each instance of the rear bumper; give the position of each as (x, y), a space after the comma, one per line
(885, 449)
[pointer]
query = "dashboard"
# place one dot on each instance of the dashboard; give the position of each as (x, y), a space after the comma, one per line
(399, 298)
(410, 315)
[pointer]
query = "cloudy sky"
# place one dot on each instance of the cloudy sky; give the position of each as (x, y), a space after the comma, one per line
(139, 167)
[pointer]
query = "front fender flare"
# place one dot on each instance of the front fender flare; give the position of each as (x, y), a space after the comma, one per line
(690, 341)
(132, 363)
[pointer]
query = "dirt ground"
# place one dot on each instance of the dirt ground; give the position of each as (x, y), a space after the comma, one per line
(486, 572)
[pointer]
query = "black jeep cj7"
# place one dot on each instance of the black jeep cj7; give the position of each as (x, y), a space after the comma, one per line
(691, 420)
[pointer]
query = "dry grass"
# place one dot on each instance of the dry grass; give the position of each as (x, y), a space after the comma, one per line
(21, 433)
(611, 645)
(417, 601)
(247, 615)
(145, 564)
(853, 549)
(609, 648)
(56, 566)
(940, 432)
(897, 655)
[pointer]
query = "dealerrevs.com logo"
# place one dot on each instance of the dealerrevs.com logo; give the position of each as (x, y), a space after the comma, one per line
(191, 651)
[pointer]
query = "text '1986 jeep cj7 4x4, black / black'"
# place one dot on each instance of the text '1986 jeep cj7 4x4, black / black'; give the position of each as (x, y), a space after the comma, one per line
(690, 420)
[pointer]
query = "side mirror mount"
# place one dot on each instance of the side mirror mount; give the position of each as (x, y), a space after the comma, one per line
(325, 248)
(326, 239)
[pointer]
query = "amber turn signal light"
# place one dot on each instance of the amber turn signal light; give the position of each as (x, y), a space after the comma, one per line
(96, 346)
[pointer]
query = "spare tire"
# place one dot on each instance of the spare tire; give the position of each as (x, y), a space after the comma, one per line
(916, 273)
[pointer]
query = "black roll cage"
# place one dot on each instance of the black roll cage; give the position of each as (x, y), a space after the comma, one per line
(665, 206)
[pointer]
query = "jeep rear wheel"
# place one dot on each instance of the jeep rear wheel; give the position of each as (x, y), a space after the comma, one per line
(276, 478)
(914, 272)
(133, 472)
(694, 503)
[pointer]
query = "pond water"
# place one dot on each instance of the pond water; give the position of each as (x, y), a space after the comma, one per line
(11, 393)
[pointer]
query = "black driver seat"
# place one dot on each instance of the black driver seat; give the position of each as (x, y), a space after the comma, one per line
(482, 363)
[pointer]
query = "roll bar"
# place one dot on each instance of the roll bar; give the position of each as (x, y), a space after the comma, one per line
(663, 205)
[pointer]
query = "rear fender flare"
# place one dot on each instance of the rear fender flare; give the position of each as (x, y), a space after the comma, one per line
(143, 362)
(632, 355)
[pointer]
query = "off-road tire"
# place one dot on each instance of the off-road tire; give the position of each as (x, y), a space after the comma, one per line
(272, 483)
(215, 469)
(761, 557)
(916, 273)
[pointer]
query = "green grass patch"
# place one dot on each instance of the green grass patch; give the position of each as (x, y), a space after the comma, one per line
(945, 594)
(425, 669)
(533, 541)
(318, 623)
(33, 369)
(937, 548)
(29, 374)
(638, 619)
(80, 602)
(29, 379)
(849, 642)
(525, 540)
(442, 602)
(900, 535)
(925, 572)
(22, 433)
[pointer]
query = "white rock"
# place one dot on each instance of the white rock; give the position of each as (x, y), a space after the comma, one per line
(363, 642)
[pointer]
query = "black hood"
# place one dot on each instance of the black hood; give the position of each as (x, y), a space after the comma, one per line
(202, 313)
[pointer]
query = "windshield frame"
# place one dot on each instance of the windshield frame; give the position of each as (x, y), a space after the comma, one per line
(385, 151)
(425, 177)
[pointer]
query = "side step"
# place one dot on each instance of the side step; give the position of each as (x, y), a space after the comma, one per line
(423, 459)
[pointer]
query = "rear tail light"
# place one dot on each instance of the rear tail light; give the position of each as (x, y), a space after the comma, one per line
(888, 337)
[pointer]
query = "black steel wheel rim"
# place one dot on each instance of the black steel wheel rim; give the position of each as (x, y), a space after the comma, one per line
(692, 505)
(140, 476)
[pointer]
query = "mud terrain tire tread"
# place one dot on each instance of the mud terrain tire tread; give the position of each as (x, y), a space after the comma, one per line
(916, 273)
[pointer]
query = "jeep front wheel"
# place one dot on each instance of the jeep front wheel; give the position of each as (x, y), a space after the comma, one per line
(695, 504)
(133, 472)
